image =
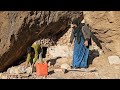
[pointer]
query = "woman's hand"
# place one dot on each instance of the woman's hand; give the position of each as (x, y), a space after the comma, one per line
(86, 43)
(93, 43)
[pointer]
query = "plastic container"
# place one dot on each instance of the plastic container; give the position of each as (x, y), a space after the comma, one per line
(41, 69)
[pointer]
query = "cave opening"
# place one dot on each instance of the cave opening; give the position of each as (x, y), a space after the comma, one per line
(44, 52)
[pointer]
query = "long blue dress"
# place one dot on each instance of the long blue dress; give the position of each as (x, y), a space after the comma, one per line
(80, 53)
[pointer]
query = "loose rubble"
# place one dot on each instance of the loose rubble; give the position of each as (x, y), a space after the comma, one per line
(106, 66)
(103, 71)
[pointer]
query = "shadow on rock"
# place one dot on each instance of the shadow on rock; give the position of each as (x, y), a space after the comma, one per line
(53, 61)
(92, 55)
(51, 72)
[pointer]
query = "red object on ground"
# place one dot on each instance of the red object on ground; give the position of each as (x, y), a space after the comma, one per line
(41, 69)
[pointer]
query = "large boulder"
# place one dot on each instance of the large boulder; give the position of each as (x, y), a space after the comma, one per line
(19, 29)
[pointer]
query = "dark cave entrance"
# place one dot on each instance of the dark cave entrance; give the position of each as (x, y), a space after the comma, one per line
(44, 52)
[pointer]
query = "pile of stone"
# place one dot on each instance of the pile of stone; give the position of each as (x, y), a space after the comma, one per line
(64, 40)
(17, 72)
(46, 42)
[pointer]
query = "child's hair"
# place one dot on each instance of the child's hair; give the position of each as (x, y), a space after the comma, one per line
(30, 49)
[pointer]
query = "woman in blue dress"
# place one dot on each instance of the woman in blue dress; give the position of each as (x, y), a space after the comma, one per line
(81, 39)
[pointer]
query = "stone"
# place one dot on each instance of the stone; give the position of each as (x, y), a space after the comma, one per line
(4, 76)
(12, 70)
(16, 71)
(114, 59)
(14, 76)
(29, 70)
(100, 52)
(21, 69)
(65, 66)
(49, 64)
(60, 51)
(57, 70)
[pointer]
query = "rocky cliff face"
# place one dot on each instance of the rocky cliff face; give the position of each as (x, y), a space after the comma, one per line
(106, 26)
(19, 29)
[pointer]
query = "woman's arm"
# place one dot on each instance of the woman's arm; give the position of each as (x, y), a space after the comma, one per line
(86, 32)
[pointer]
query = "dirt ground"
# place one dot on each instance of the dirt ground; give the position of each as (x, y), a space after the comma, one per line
(103, 70)
(100, 64)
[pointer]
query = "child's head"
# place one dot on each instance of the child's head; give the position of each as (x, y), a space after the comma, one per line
(30, 50)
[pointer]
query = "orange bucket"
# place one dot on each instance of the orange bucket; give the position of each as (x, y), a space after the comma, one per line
(41, 69)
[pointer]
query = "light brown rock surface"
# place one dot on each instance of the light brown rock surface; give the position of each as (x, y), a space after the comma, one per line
(106, 25)
(19, 29)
